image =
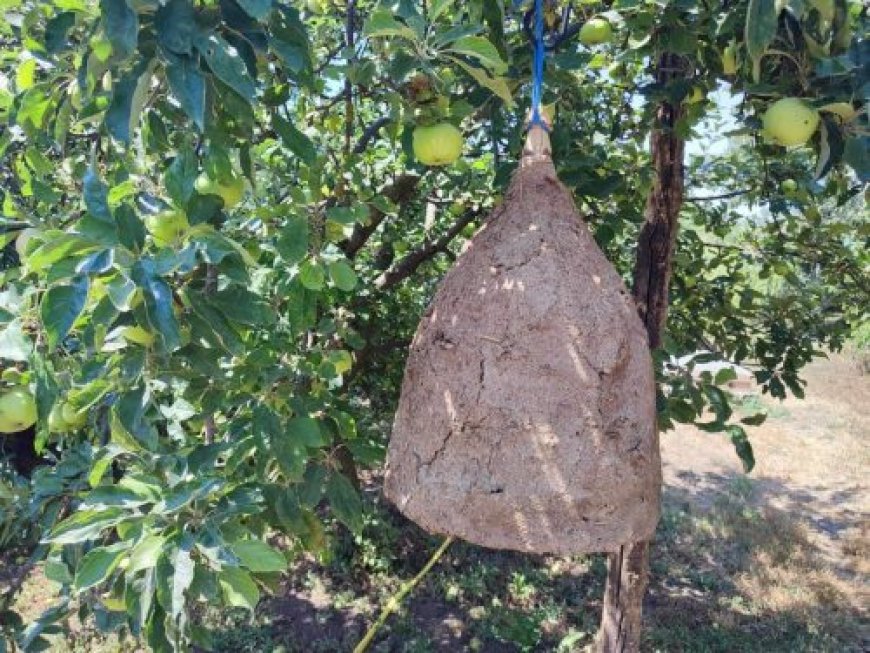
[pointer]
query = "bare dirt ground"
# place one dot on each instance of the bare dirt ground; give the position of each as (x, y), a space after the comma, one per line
(787, 544)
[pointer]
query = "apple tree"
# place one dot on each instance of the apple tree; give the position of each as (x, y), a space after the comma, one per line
(222, 220)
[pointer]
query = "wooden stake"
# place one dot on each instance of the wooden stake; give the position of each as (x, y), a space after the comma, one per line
(628, 569)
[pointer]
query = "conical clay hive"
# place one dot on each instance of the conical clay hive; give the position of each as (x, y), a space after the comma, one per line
(527, 414)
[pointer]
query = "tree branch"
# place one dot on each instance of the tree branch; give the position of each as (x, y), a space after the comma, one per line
(370, 132)
(409, 264)
(399, 192)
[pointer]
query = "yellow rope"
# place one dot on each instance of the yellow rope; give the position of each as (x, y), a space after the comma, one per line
(396, 599)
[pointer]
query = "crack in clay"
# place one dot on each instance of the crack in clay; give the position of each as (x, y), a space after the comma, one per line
(438, 452)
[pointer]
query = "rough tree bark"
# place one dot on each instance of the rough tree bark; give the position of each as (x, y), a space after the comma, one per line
(628, 569)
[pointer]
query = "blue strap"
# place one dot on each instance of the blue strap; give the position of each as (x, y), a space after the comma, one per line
(538, 66)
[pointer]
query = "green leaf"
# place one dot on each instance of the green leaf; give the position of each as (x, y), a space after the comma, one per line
(382, 23)
(175, 23)
(742, 446)
(182, 577)
(57, 571)
(146, 553)
(256, 9)
(289, 41)
(292, 242)
(295, 140)
(158, 300)
(238, 588)
(240, 305)
(56, 30)
(105, 496)
(760, 30)
(14, 344)
(495, 84)
(831, 146)
(188, 87)
(186, 493)
(226, 63)
(85, 525)
(718, 402)
(305, 431)
(98, 223)
(60, 308)
(342, 275)
(128, 98)
(480, 48)
(97, 565)
(181, 176)
(290, 454)
(33, 108)
(311, 275)
(121, 26)
(345, 502)
(754, 420)
(57, 247)
(725, 375)
(223, 332)
(258, 557)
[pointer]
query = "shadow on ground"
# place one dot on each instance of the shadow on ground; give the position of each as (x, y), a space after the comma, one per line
(730, 571)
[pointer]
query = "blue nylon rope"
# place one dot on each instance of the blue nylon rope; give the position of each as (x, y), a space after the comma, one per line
(538, 65)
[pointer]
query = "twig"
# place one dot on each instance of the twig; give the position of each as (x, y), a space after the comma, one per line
(394, 601)
(413, 260)
(370, 132)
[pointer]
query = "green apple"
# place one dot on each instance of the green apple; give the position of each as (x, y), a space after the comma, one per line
(789, 186)
(231, 191)
(596, 31)
(790, 121)
(437, 145)
(17, 410)
(56, 422)
(74, 419)
(167, 227)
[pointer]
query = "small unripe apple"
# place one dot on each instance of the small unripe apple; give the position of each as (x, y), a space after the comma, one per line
(56, 422)
(595, 31)
(231, 191)
(789, 186)
(790, 121)
(437, 145)
(17, 410)
(167, 227)
(75, 419)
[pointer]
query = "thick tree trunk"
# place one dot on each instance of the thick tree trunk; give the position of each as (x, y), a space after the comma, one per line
(628, 569)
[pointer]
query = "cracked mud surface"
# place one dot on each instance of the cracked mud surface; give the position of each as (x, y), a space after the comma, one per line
(527, 412)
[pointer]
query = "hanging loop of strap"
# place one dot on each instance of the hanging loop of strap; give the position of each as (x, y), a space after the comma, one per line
(538, 55)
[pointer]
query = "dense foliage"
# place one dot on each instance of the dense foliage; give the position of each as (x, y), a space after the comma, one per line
(218, 242)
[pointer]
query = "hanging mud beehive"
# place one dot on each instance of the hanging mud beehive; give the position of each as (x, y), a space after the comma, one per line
(527, 414)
